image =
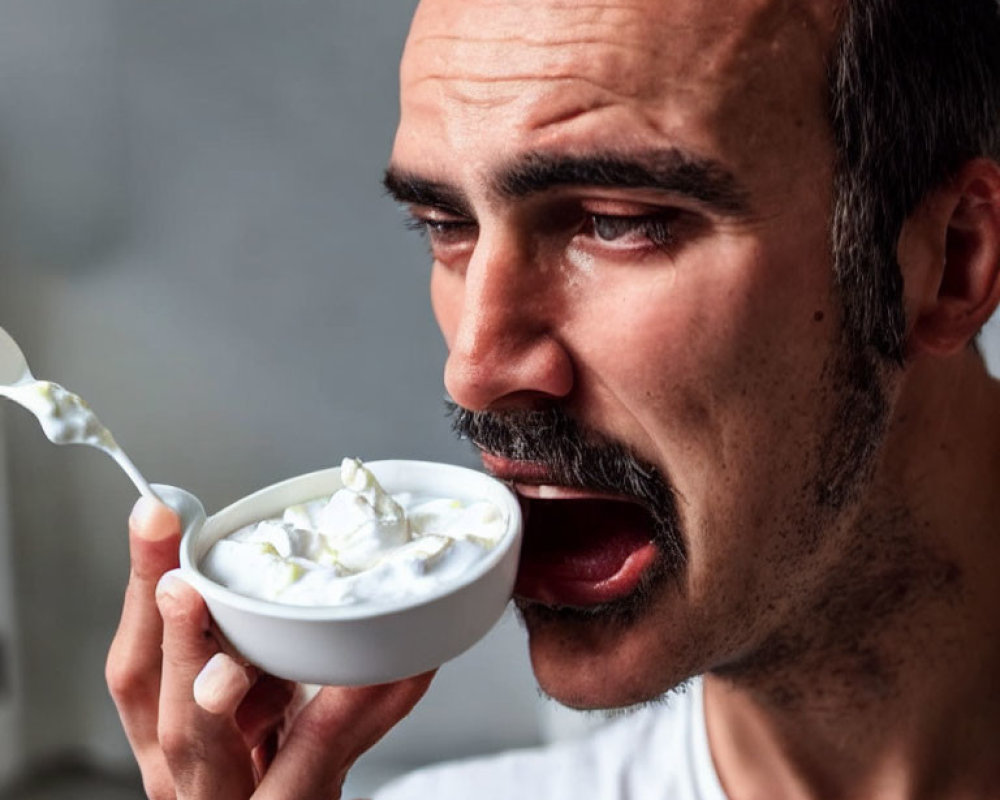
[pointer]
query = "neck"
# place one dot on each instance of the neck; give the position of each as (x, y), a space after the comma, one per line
(887, 683)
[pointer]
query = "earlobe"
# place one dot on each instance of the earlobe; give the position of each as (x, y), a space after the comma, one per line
(964, 290)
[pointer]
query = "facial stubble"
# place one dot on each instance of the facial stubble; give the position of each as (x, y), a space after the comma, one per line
(845, 456)
(579, 457)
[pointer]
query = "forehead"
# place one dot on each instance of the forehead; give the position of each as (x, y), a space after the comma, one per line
(714, 75)
(473, 38)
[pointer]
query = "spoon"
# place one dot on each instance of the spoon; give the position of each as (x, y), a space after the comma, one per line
(65, 417)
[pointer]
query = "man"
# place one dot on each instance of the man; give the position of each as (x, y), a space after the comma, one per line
(710, 274)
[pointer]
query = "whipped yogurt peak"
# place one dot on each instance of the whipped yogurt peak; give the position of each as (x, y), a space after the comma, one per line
(362, 521)
(359, 545)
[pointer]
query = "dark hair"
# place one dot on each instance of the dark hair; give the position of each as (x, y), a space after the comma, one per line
(915, 93)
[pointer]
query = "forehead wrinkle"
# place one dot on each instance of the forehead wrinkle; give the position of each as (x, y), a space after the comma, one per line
(687, 28)
(517, 16)
(645, 56)
(453, 87)
(523, 39)
(461, 69)
(536, 43)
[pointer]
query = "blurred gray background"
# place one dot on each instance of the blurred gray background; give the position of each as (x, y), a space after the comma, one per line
(194, 238)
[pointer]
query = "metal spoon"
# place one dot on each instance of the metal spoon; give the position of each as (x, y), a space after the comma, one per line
(65, 417)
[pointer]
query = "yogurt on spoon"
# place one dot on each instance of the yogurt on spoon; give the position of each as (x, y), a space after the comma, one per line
(64, 416)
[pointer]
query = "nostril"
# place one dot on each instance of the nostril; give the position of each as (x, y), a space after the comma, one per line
(467, 382)
(509, 372)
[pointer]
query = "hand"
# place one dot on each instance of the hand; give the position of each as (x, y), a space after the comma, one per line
(203, 725)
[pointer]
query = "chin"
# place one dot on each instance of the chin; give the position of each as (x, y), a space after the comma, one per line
(590, 661)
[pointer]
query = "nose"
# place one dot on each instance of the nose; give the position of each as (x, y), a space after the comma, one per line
(504, 347)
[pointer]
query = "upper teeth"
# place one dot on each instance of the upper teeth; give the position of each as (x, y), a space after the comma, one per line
(544, 491)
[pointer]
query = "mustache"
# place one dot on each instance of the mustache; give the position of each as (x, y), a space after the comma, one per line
(575, 456)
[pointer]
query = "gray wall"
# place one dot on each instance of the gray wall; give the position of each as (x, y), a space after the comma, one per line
(194, 237)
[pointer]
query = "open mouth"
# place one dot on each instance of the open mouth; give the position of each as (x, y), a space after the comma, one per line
(580, 547)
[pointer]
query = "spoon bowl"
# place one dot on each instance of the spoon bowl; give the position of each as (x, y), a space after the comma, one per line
(65, 418)
(13, 365)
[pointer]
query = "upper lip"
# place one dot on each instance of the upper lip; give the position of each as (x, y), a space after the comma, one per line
(505, 469)
(527, 474)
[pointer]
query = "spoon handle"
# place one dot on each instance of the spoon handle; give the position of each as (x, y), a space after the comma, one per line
(130, 469)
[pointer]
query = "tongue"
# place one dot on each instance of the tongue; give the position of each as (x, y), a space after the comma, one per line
(583, 551)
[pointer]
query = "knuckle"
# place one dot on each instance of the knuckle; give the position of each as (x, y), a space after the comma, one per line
(182, 605)
(172, 740)
(126, 680)
(159, 787)
(148, 561)
(179, 747)
(157, 782)
(316, 730)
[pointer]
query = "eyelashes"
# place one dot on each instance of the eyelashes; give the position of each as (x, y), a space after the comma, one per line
(654, 229)
(615, 235)
(435, 227)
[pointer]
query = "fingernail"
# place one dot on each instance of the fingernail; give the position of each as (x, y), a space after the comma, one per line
(169, 585)
(221, 685)
(143, 520)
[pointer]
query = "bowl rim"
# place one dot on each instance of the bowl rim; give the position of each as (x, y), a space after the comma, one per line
(499, 493)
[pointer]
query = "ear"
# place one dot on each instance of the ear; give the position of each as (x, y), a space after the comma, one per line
(950, 253)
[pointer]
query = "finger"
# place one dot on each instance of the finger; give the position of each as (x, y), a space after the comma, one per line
(264, 714)
(222, 684)
(266, 707)
(205, 751)
(263, 754)
(154, 534)
(132, 669)
(260, 703)
(336, 727)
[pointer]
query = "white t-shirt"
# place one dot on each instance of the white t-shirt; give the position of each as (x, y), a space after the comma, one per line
(658, 752)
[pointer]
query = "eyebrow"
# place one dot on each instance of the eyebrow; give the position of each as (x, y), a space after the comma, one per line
(671, 170)
(408, 187)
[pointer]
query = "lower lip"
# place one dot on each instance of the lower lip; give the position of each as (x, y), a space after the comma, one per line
(580, 564)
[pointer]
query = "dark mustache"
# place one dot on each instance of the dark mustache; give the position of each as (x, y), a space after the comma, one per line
(575, 456)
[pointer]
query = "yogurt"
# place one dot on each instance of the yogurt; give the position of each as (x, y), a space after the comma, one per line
(67, 419)
(360, 545)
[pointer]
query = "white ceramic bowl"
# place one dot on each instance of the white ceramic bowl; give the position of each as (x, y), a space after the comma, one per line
(361, 644)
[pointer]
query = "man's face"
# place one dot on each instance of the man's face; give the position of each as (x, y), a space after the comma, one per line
(628, 210)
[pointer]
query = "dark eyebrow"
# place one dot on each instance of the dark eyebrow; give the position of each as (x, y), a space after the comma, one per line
(706, 181)
(407, 187)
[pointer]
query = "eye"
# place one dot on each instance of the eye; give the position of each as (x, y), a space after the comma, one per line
(632, 232)
(437, 228)
(448, 237)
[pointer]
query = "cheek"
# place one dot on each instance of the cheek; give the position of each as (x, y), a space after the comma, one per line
(670, 342)
(732, 338)
(717, 374)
